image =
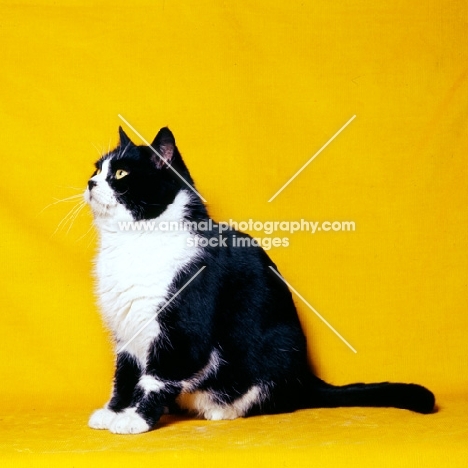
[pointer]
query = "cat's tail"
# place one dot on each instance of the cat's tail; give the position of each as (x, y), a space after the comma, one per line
(396, 395)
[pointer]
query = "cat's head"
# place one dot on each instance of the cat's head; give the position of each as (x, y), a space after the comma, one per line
(138, 182)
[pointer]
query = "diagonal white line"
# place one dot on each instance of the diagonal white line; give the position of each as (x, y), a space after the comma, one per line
(314, 311)
(161, 309)
(312, 158)
(157, 154)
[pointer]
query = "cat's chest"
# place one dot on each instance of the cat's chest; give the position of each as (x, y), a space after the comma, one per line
(134, 277)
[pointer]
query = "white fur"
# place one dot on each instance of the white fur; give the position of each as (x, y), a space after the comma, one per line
(101, 419)
(134, 269)
(106, 209)
(104, 171)
(204, 404)
(128, 422)
(210, 369)
(150, 384)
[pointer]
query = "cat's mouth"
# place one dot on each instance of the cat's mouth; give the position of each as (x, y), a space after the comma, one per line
(99, 201)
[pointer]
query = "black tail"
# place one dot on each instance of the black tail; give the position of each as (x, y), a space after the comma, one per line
(396, 395)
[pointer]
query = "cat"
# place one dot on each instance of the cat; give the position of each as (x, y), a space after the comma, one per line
(227, 345)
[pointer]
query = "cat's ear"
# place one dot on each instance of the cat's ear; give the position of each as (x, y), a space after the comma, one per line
(164, 144)
(124, 140)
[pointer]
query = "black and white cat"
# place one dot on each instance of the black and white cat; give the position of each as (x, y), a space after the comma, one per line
(227, 345)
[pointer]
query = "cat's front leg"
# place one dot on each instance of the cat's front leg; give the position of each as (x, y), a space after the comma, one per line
(150, 398)
(127, 374)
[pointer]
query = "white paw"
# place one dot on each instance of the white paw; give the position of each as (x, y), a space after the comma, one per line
(101, 418)
(128, 422)
(218, 414)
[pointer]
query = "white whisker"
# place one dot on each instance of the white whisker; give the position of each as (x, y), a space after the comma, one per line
(81, 189)
(70, 216)
(75, 215)
(62, 200)
(85, 234)
(93, 238)
(97, 149)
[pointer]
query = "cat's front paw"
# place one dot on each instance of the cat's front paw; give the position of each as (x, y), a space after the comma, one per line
(101, 419)
(129, 422)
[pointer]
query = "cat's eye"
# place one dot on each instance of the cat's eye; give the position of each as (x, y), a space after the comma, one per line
(119, 173)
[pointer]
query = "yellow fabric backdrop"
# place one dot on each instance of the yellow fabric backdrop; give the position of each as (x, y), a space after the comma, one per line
(251, 90)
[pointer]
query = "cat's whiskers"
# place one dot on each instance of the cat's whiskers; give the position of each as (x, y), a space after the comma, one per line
(93, 238)
(70, 199)
(80, 189)
(85, 234)
(97, 149)
(150, 204)
(75, 215)
(72, 214)
(123, 193)
(70, 217)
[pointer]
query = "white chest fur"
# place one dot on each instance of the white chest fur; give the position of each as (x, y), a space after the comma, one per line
(134, 271)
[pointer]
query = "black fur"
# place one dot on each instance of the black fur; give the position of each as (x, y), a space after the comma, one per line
(237, 306)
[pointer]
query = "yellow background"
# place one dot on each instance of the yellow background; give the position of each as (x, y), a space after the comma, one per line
(251, 91)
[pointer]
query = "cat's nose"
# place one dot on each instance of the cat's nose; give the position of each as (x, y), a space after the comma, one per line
(91, 184)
